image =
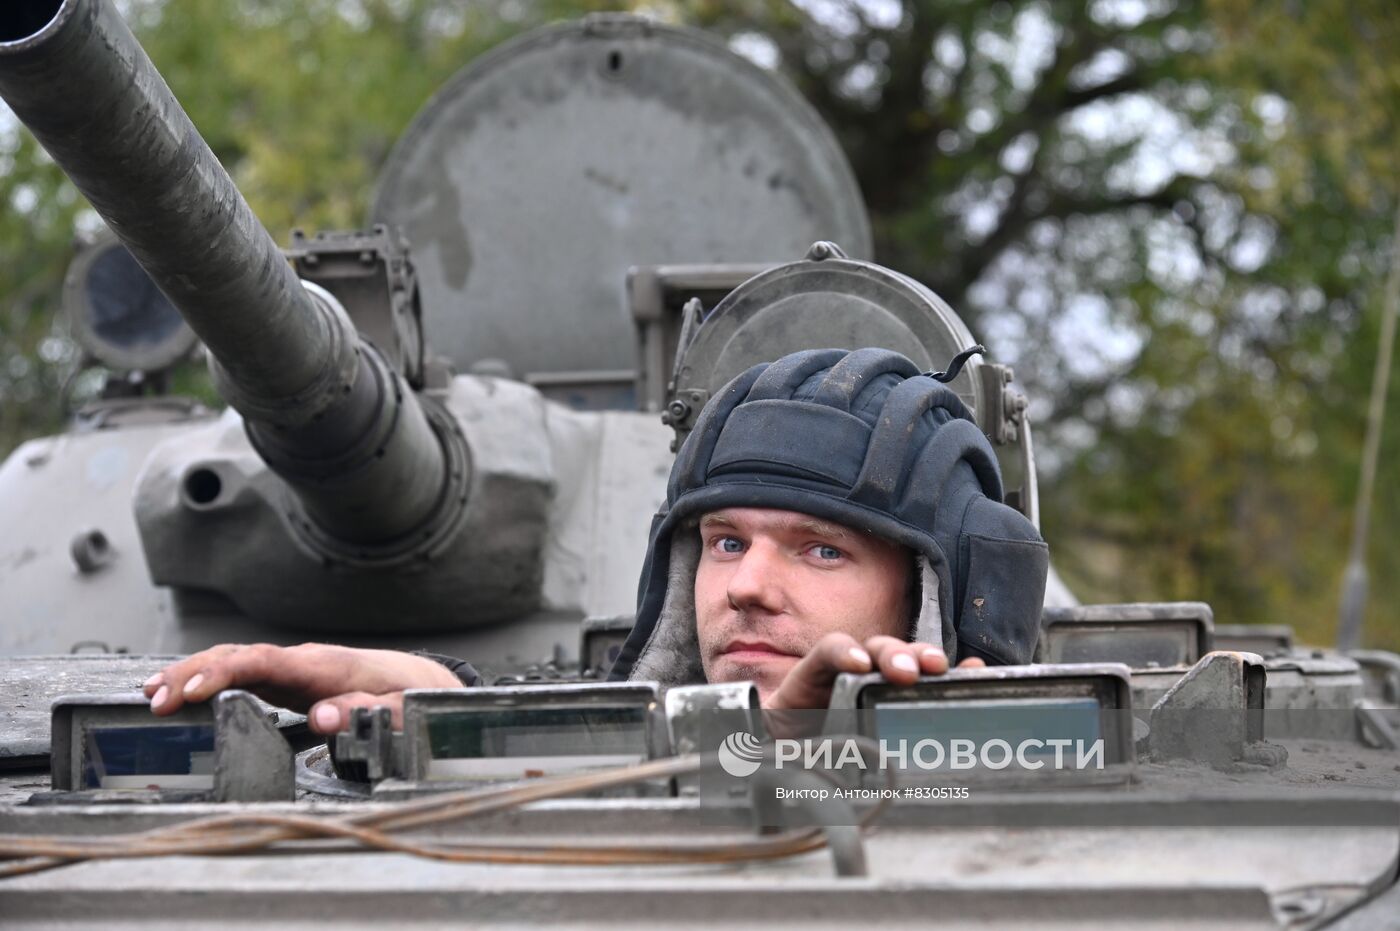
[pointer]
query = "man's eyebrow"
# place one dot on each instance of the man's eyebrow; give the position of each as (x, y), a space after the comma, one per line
(810, 525)
(821, 528)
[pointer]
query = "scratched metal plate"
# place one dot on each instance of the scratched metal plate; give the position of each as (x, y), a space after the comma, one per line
(29, 684)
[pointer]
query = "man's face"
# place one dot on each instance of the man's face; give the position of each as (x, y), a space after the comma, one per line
(771, 583)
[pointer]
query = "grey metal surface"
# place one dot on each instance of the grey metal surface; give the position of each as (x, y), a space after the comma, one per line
(1305, 696)
(597, 476)
(371, 274)
(1379, 725)
(368, 750)
(1377, 914)
(687, 707)
(29, 685)
(532, 900)
(1026, 860)
(536, 178)
(1299, 688)
(46, 604)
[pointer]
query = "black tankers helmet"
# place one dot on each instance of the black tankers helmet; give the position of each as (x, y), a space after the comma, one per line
(863, 439)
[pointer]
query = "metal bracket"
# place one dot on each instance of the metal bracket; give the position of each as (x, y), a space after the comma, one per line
(1004, 420)
(368, 750)
(372, 276)
(1377, 725)
(252, 761)
(696, 713)
(681, 413)
(600, 641)
(836, 817)
(1380, 669)
(668, 304)
(1214, 714)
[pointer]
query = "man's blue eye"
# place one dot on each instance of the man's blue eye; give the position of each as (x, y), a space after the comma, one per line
(828, 552)
(730, 545)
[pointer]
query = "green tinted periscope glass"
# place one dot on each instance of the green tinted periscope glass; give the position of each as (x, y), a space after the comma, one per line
(149, 757)
(1009, 719)
(519, 742)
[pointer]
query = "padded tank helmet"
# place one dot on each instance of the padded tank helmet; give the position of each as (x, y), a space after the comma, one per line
(863, 439)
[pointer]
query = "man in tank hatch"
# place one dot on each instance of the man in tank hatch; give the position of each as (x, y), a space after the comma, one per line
(831, 512)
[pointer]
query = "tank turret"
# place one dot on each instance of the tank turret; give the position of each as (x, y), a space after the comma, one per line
(366, 522)
(358, 490)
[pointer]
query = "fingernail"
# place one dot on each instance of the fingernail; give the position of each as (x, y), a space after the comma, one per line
(933, 651)
(152, 680)
(195, 682)
(160, 696)
(860, 656)
(904, 661)
(328, 717)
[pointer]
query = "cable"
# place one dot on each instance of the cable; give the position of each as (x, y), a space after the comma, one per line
(248, 832)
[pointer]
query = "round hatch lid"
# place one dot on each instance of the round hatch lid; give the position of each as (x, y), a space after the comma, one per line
(541, 173)
(825, 301)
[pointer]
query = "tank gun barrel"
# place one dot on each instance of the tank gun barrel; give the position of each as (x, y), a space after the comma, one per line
(322, 407)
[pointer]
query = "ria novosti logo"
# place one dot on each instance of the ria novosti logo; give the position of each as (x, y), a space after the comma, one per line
(740, 754)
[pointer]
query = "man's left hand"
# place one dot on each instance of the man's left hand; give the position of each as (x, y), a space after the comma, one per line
(808, 684)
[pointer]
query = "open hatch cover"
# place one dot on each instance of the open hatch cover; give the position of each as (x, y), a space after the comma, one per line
(533, 181)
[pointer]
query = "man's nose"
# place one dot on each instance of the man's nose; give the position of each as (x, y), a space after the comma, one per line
(757, 580)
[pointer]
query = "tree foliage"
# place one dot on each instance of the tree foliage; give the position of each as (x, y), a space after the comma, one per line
(1172, 216)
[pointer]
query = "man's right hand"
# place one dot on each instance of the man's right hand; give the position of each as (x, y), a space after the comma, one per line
(323, 681)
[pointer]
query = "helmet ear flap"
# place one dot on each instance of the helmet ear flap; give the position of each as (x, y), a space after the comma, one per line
(929, 623)
(671, 654)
